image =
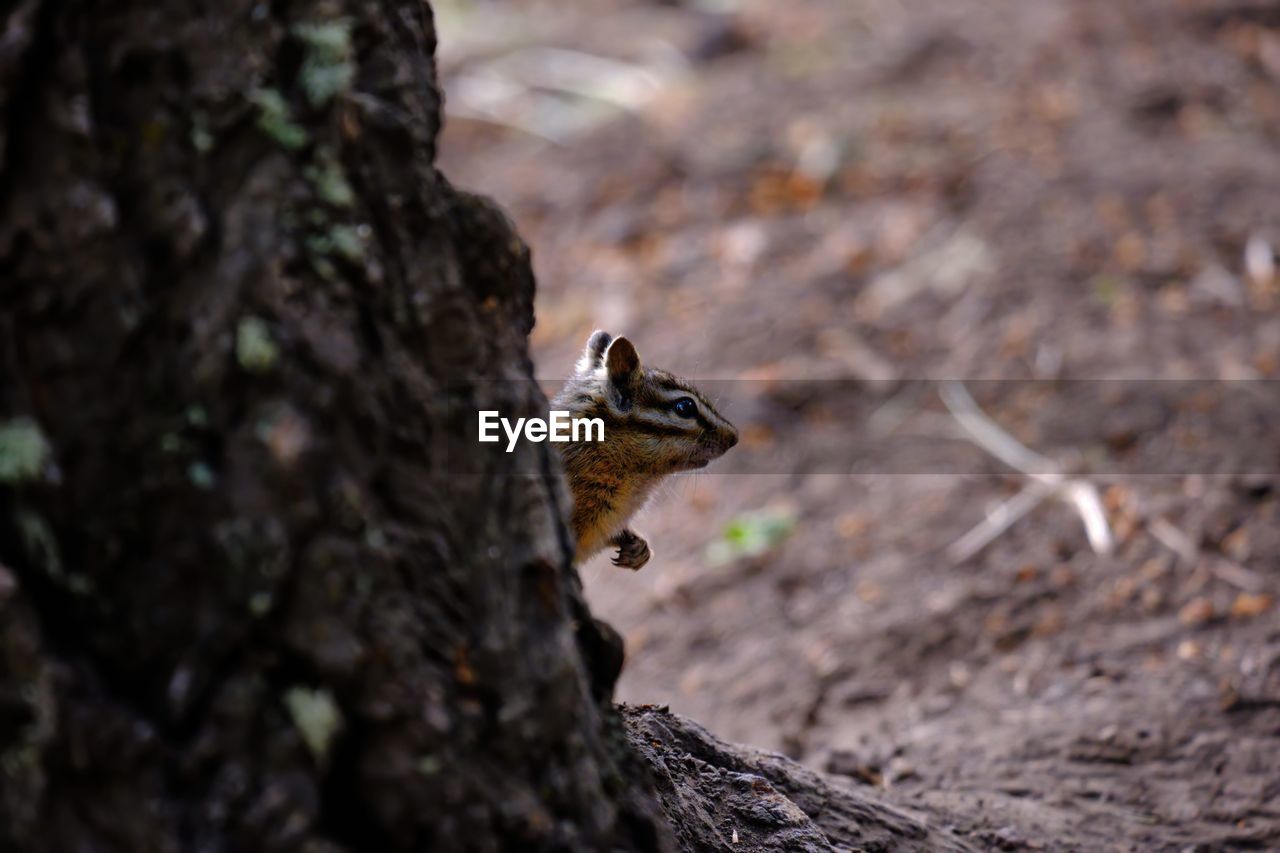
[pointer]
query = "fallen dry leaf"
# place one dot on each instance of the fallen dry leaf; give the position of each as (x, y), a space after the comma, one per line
(1250, 604)
(851, 525)
(1236, 545)
(1197, 612)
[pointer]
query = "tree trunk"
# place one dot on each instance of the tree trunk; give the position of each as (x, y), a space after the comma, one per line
(250, 594)
(252, 604)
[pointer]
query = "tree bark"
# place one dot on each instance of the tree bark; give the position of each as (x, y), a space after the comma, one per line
(721, 797)
(248, 602)
(251, 596)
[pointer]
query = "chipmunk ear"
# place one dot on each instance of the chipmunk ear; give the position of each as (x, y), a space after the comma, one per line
(622, 361)
(593, 356)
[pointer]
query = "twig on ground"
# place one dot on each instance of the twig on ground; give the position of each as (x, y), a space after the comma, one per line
(1236, 575)
(1174, 539)
(624, 85)
(555, 94)
(1189, 553)
(998, 520)
(1047, 476)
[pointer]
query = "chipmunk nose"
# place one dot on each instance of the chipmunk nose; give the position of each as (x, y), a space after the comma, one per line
(733, 438)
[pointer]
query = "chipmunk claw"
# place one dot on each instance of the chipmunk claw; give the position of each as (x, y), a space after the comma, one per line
(633, 552)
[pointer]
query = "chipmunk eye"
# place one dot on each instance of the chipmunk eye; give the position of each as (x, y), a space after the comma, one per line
(685, 407)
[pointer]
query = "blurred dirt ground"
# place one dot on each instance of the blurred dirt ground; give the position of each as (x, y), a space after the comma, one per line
(881, 191)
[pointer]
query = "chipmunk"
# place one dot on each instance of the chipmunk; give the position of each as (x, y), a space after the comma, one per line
(655, 424)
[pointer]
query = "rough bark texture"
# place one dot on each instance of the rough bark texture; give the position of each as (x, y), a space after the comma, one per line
(734, 798)
(247, 600)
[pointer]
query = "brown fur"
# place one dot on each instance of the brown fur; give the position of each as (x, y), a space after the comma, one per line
(644, 441)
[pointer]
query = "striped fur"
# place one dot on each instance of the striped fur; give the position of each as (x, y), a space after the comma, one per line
(644, 439)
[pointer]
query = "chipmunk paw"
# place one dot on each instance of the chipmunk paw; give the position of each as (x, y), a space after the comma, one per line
(633, 552)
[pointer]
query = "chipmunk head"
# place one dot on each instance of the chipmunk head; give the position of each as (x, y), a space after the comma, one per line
(661, 421)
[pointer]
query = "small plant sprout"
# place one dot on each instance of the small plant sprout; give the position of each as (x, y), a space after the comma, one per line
(752, 534)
